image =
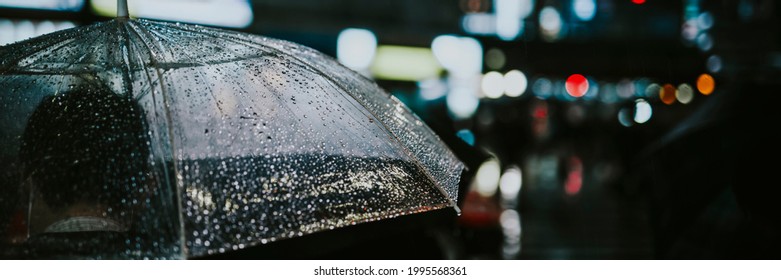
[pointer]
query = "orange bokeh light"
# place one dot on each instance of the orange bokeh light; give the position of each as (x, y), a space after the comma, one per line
(706, 84)
(667, 94)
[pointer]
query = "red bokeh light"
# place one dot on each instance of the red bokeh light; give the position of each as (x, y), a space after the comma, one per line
(638, 2)
(577, 85)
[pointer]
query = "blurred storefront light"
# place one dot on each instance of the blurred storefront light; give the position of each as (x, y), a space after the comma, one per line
(404, 63)
(225, 13)
(55, 5)
(13, 31)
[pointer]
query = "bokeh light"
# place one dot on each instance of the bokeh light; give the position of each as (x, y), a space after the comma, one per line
(714, 63)
(460, 56)
(705, 21)
(467, 136)
(462, 103)
(508, 18)
(25, 29)
(542, 88)
(574, 181)
(643, 111)
(585, 10)
(667, 94)
(593, 89)
(625, 89)
(689, 30)
(515, 83)
(625, 117)
(576, 85)
(510, 220)
(551, 23)
(355, 48)
(7, 31)
(705, 42)
(608, 93)
(495, 59)
(479, 23)
(685, 93)
(511, 182)
(492, 84)
(487, 178)
(432, 89)
(652, 91)
(706, 84)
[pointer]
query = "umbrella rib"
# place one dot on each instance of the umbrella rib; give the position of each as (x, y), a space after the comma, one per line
(30, 53)
(210, 90)
(169, 122)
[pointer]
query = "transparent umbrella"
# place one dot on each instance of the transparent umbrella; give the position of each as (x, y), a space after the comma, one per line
(134, 138)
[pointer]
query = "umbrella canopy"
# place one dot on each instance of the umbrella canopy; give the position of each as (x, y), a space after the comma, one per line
(134, 138)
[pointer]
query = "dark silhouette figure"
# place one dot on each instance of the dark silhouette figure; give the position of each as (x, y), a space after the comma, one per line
(85, 155)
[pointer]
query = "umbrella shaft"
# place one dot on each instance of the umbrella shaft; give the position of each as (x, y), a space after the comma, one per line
(122, 8)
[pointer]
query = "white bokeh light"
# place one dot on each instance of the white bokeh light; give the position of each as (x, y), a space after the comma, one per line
(492, 84)
(515, 83)
(585, 10)
(355, 48)
(487, 178)
(462, 102)
(643, 111)
(684, 94)
(550, 23)
(460, 56)
(510, 183)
